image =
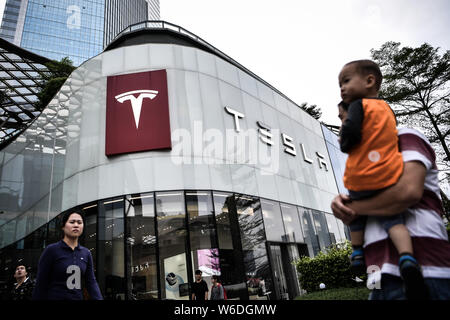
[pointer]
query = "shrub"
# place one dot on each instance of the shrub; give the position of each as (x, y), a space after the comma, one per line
(331, 267)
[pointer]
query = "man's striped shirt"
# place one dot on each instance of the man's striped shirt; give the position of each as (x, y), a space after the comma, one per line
(424, 220)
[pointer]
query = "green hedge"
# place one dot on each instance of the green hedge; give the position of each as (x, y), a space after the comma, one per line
(331, 267)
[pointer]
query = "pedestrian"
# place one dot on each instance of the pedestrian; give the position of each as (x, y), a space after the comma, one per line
(65, 267)
(217, 291)
(417, 192)
(199, 287)
(369, 135)
(23, 288)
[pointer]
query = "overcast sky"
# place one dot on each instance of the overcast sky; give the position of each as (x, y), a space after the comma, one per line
(300, 46)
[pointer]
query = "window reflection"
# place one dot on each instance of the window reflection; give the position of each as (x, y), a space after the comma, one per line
(291, 223)
(202, 233)
(89, 237)
(172, 236)
(273, 222)
(322, 229)
(110, 251)
(231, 266)
(142, 271)
(309, 231)
(253, 237)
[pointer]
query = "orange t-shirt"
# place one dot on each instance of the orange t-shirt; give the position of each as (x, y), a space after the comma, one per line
(376, 162)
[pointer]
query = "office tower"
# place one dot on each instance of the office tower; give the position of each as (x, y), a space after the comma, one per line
(78, 29)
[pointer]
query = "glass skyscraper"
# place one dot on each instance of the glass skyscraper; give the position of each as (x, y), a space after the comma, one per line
(78, 29)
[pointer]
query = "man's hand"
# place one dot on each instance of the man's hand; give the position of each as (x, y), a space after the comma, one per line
(341, 211)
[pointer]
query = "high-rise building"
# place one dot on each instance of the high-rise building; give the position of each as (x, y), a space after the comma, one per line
(78, 29)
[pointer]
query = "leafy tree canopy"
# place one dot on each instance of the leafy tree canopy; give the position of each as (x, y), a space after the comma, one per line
(416, 83)
(312, 109)
(53, 80)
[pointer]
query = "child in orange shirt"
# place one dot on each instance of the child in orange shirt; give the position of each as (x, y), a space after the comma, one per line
(369, 135)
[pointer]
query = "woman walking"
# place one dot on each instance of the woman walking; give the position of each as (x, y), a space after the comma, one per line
(65, 266)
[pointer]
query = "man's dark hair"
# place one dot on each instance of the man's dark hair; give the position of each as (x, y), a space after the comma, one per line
(366, 67)
(215, 277)
(343, 105)
(68, 214)
(198, 272)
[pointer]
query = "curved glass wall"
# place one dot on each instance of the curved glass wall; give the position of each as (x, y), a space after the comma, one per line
(148, 245)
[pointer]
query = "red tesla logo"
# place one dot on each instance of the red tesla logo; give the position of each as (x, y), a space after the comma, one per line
(137, 113)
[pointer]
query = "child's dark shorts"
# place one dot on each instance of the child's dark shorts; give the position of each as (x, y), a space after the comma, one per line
(387, 222)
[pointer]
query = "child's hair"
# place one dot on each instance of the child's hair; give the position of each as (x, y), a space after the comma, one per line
(343, 105)
(366, 67)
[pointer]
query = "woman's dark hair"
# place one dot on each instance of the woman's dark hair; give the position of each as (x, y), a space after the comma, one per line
(66, 216)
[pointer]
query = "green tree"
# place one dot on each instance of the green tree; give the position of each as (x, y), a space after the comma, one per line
(416, 83)
(312, 109)
(53, 79)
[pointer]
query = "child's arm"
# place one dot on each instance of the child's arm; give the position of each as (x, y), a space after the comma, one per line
(351, 127)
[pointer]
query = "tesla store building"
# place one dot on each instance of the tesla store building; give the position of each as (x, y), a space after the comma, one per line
(181, 159)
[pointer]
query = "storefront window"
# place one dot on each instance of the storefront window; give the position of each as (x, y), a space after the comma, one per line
(311, 238)
(89, 237)
(334, 229)
(172, 236)
(142, 267)
(202, 233)
(291, 224)
(320, 223)
(253, 239)
(230, 253)
(273, 222)
(294, 289)
(110, 250)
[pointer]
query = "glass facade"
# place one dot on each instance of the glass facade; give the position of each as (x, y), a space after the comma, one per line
(141, 245)
(72, 28)
(338, 160)
(148, 246)
(123, 13)
(79, 29)
(10, 19)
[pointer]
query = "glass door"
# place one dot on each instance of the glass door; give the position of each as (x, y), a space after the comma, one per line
(279, 276)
